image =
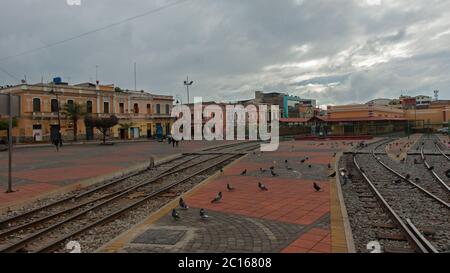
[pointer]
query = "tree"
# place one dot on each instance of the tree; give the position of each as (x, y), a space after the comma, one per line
(74, 112)
(102, 124)
(4, 125)
(126, 127)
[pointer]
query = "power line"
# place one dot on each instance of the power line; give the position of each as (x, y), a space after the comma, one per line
(9, 74)
(94, 30)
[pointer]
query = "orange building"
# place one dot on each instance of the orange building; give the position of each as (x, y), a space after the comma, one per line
(141, 112)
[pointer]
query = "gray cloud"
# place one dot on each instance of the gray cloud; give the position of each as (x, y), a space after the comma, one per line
(336, 51)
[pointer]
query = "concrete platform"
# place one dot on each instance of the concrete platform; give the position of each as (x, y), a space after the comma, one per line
(291, 217)
(43, 170)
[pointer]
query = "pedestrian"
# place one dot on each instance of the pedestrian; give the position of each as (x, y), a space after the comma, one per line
(60, 139)
(56, 143)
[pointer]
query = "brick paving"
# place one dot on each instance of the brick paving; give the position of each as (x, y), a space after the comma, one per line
(291, 217)
(37, 170)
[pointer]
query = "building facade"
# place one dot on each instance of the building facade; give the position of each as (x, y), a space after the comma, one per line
(42, 114)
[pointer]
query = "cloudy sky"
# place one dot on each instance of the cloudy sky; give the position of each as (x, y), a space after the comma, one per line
(341, 51)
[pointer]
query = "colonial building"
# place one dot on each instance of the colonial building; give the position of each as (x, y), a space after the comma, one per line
(141, 114)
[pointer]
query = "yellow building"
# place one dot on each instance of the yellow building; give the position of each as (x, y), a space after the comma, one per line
(139, 113)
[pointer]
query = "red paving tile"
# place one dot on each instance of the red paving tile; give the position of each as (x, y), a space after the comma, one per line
(316, 240)
(287, 200)
(25, 191)
(67, 173)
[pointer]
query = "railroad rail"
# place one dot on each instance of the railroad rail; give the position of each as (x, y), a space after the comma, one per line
(47, 233)
(418, 242)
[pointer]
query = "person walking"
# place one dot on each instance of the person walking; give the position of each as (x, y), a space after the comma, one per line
(56, 143)
(60, 142)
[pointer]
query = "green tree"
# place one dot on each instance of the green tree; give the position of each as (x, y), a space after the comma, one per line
(75, 112)
(4, 124)
(102, 124)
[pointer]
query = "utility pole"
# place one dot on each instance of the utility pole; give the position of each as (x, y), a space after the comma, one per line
(135, 89)
(10, 145)
(188, 83)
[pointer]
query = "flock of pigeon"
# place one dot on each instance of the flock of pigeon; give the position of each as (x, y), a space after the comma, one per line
(261, 186)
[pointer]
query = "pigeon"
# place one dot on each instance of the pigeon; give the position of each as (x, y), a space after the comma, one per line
(417, 179)
(175, 215)
(183, 204)
(262, 170)
(397, 181)
(230, 188)
(272, 167)
(217, 198)
(332, 175)
(288, 168)
(302, 161)
(285, 162)
(244, 172)
(309, 166)
(316, 187)
(407, 176)
(262, 187)
(273, 173)
(203, 214)
(431, 168)
(221, 170)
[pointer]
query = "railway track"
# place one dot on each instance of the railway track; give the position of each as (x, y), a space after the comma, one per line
(46, 228)
(386, 207)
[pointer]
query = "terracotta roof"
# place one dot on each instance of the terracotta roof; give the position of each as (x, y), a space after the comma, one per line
(300, 120)
(361, 119)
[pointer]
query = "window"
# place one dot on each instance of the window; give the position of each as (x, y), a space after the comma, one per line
(149, 109)
(89, 106)
(106, 107)
(54, 106)
(136, 108)
(158, 109)
(167, 109)
(70, 104)
(121, 108)
(36, 105)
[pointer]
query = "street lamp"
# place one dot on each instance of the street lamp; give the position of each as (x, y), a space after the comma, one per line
(188, 83)
(53, 92)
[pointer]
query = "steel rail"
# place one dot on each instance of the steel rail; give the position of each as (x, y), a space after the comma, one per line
(175, 169)
(411, 236)
(31, 237)
(428, 166)
(434, 197)
(112, 183)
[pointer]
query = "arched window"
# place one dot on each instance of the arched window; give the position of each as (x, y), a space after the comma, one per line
(54, 106)
(89, 106)
(36, 105)
(136, 108)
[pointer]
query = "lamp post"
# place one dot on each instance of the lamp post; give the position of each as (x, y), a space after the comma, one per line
(179, 99)
(188, 83)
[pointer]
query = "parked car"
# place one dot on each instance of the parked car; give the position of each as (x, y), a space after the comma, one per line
(443, 130)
